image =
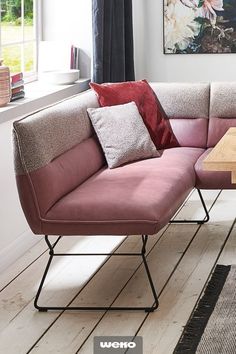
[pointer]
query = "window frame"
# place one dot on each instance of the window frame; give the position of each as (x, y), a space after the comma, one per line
(37, 24)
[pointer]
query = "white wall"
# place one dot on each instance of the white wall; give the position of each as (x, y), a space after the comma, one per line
(15, 237)
(153, 65)
(71, 21)
(68, 21)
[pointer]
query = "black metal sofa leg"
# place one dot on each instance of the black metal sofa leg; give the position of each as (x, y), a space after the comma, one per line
(203, 221)
(68, 307)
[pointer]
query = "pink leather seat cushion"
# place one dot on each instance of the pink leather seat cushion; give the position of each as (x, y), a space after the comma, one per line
(138, 198)
(211, 179)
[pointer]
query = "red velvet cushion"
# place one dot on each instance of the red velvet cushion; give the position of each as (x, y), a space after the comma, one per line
(148, 105)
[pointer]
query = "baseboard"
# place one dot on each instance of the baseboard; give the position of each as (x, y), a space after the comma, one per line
(17, 248)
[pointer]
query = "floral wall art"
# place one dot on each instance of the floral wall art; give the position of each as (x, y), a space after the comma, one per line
(199, 26)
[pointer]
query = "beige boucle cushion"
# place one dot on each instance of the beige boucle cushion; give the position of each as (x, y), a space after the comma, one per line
(44, 135)
(122, 134)
(183, 99)
(223, 100)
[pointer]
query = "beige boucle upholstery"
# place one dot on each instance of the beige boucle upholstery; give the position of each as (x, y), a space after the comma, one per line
(184, 100)
(45, 135)
(223, 100)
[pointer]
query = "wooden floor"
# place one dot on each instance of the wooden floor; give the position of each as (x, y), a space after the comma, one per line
(181, 259)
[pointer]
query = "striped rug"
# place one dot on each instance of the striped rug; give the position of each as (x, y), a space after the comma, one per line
(211, 328)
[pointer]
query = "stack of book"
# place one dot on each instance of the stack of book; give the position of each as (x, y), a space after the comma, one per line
(5, 90)
(74, 57)
(17, 86)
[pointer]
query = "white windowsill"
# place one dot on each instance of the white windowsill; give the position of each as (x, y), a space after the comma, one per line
(39, 94)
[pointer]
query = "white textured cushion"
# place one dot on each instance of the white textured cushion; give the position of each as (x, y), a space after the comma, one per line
(122, 134)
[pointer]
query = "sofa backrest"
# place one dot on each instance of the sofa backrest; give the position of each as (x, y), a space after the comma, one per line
(187, 107)
(52, 150)
(222, 110)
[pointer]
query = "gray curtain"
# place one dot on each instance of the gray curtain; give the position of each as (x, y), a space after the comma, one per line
(113, 57)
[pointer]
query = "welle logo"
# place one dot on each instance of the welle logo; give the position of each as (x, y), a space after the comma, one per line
(118, 345)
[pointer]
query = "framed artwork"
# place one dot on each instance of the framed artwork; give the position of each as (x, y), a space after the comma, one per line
(199, 26)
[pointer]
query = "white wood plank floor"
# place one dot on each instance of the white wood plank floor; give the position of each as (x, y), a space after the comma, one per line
(181, 258)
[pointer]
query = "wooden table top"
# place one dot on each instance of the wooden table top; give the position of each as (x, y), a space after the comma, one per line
(223, 155)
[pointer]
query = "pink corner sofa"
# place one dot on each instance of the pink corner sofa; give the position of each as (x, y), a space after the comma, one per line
(64, 184)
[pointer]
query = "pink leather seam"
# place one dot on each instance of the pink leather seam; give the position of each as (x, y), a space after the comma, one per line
(97, 222)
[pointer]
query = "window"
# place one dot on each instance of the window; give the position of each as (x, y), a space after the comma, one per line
(18, 35)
